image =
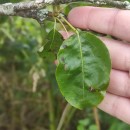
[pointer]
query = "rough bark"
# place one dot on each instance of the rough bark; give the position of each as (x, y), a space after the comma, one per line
(36, 9)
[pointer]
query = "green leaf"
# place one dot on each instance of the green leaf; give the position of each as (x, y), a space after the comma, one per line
(84, 122)
(47, 55)
(53, 42)
(93, 127)
(83, 70)
(3, 19)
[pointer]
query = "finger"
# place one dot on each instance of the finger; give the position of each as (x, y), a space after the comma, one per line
(104, 20)
(119, 53)
(116, 106)
(66, 34)
(119, 83)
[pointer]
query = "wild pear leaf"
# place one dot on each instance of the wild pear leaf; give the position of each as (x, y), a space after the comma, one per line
(49, 56)
(53, 42)
(83, 70)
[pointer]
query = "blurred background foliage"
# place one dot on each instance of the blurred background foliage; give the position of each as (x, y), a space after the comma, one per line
(29, 96)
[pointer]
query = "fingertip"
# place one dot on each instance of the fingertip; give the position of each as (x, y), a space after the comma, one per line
(66, 34)
(75, 17)
(79, 16)
(72, 14)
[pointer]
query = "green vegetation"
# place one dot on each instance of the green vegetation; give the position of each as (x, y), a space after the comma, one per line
(29, 95)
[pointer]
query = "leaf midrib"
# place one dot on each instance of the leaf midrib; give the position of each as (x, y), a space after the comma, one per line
(82, 62)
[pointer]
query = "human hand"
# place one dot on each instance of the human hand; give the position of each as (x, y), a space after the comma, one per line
(114, 22)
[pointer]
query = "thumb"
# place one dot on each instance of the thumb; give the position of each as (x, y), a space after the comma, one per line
(66, 34)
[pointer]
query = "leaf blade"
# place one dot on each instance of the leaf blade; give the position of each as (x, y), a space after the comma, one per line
(81, 77)
(53, 42)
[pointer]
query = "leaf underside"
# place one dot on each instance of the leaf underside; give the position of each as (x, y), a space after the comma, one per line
(53, 42)
(83, 70)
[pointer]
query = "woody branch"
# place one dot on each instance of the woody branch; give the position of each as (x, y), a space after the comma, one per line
(34, 9)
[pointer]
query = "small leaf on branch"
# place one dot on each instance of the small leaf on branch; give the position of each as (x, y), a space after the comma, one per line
(84, 69)
(53, 42)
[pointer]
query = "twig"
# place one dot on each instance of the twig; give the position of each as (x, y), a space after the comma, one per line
(33, 9)
(15, 8)
(95, 112)
(63, 117)
(51, 110)
(69, 118)
(36, 9)
(114, 3)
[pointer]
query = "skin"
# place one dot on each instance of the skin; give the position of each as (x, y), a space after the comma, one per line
(114, 22)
